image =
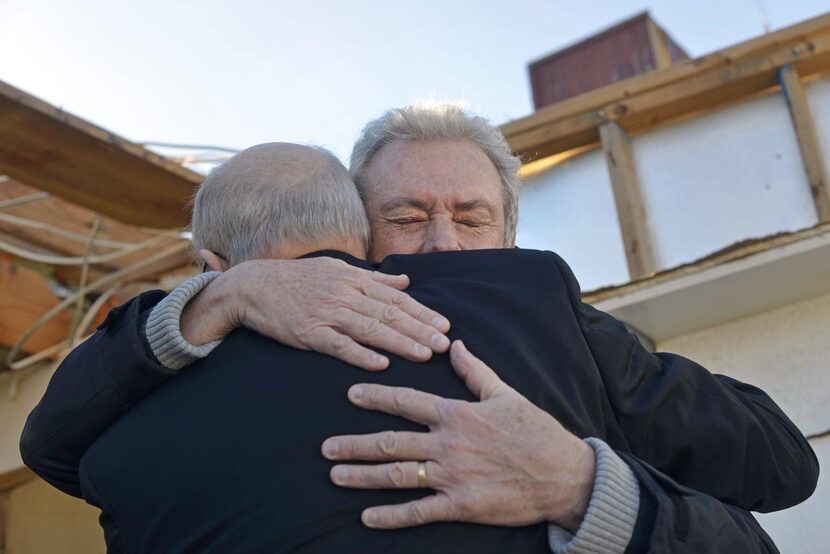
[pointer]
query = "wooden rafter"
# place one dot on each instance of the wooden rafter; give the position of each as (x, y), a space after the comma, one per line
(805, 130)
(45, 147)
(14, 478)
(628, 199)
(676, 91)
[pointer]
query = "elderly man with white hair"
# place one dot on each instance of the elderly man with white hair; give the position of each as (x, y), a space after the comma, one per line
(436, 180)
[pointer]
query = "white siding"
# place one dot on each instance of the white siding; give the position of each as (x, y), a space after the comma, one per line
(570, 209)
(721, 178)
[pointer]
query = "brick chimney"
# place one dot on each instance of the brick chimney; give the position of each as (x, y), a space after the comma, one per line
(637, 45)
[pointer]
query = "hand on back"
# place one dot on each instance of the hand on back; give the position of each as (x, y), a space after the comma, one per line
(319, 304)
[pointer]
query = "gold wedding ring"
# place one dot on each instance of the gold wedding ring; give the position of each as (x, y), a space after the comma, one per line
(422, 475)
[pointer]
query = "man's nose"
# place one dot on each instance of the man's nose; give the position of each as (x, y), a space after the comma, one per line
(442, 236)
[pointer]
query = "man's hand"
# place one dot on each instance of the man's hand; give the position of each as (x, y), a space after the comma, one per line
(319, 304)
(500, 461)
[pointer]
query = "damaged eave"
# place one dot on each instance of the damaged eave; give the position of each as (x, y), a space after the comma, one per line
(47, 148)
(746, 278)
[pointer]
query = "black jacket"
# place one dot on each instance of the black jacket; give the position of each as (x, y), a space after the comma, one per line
(520, 312)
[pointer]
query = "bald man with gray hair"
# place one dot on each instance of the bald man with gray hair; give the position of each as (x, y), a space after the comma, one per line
(273, 199)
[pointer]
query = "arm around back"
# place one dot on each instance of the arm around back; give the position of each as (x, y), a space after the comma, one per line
(708, 432)
(676, 519)
(91, 388)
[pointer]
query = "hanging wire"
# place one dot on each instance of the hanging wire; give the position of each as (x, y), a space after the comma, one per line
(763, 15)
(94, 286)
(61, 349)
(76, 316)
(57, 231)
(89, 317)
(189, 146)
(23, 199)
(78, 260)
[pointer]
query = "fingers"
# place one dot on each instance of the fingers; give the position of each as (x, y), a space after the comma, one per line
(328, 341)
(399, 475)
(389, 445)
(414, 405)
(408, 305)
(400, 282)
(433, 508)
(387, 326)
(373, 332)
(480, 379)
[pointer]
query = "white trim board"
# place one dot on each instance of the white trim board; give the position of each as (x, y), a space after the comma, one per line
(736, 289)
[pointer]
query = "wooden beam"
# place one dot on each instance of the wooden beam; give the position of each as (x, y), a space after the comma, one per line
(659, 47)
(16, 477)
(54, 151)
(805, 131)
(9, 481)
(642, 83)
(680, 90)
(628, 198)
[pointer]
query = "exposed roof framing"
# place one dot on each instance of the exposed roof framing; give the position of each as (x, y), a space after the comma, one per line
(680, 90)
(45, 147)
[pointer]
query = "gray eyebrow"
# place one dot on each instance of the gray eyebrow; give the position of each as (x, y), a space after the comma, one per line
(474, 204)
(466, 206)
(406, 201)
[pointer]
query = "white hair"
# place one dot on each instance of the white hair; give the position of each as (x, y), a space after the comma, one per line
(442, 121)
(244, 215)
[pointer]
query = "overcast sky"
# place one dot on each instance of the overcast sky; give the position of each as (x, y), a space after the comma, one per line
(243, 72)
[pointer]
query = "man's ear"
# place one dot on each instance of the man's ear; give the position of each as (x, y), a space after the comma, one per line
(211, 260)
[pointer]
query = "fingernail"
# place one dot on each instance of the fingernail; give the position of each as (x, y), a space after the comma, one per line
(356, 392)
(331, 448)
(440, 342)
(339, 474)
(440, 323)
(421, 350)
(370, 517)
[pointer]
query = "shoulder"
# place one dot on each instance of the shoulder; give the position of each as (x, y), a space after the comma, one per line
(500, 261)
(133, 307)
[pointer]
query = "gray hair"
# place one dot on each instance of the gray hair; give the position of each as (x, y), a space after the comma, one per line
(245, 209)
(442, 121)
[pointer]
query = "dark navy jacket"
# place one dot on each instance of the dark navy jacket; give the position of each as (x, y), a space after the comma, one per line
(517, 310)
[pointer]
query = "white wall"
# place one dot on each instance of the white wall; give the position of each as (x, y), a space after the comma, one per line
(730, 175)
(708, 182)
(570, 210)
(786, 352)
(13, 413)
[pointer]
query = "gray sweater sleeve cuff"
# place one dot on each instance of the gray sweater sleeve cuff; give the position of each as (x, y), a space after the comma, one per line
(612, 511)
(163, 330)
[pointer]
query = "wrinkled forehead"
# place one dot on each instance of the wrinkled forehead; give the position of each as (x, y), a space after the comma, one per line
(435, 171)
